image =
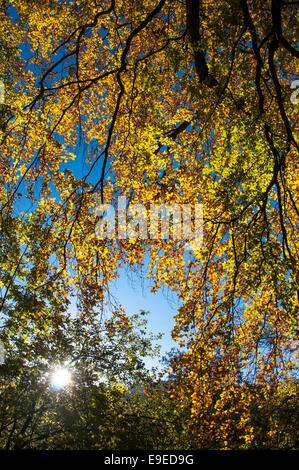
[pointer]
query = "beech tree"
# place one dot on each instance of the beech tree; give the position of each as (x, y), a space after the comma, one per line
(100, 408)
(166, 102)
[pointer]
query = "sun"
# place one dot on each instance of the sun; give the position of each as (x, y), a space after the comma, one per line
(60, 378)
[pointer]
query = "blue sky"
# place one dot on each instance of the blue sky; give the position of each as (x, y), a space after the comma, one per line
(134, 294)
